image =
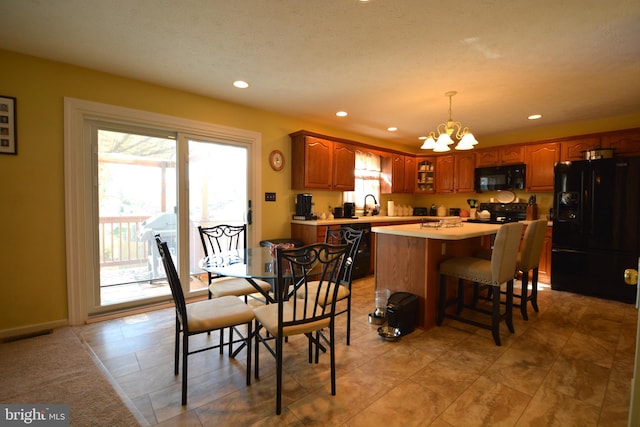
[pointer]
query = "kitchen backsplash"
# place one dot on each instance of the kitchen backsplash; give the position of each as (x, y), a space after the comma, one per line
(323, 199)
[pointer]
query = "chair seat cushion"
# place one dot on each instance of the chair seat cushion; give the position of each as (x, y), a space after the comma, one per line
(267, 315)
(468, 268)
(233, 286)
(217, 313)
(312, 288)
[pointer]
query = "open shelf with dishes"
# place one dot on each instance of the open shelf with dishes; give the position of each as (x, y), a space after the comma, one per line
(426, 175)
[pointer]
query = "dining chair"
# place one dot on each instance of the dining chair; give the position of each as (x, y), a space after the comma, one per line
(225, 238)
(292, 315)
(203, 316)
(352, 237)
(498, 270)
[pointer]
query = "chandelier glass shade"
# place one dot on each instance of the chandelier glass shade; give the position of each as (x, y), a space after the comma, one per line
(445, 131)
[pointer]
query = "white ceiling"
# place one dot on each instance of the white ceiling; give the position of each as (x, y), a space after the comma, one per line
(386, 62)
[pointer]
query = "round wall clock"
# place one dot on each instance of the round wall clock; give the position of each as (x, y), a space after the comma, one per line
(276, 160)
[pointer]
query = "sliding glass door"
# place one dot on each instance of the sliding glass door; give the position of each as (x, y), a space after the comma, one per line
(141, 185)
(217, 191)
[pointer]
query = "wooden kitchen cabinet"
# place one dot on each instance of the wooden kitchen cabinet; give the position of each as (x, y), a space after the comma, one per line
(464, 172)
(540, 160)
(511, 155)
(321, 164)
(496, 156)
(344, 165)
(544, 268)
(445, 170)
(409, 174)
(624, 143)
(399, 170)
(573, 149)
(425, 175)
(455, 173)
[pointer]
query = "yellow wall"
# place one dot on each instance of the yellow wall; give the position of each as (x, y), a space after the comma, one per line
(32, 235)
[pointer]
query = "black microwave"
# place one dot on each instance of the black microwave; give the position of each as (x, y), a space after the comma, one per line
(508, 177)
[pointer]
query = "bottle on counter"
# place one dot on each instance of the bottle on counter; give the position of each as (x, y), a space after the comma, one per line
(433, 211)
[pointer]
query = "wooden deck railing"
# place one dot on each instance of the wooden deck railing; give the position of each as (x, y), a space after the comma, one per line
(119, 241)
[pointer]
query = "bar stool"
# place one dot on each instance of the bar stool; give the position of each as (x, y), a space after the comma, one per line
(494, 272)
(529, 260)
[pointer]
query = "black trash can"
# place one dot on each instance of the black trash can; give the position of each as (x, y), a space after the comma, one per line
(402, 311)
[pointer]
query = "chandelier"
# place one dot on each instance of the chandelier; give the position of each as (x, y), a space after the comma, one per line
(445, 131)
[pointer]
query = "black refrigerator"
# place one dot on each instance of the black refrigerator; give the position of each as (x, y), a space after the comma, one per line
(596, 227)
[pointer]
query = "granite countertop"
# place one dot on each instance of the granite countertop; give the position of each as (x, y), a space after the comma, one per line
(370, 219)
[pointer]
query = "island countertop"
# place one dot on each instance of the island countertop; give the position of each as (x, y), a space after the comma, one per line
(466, 231)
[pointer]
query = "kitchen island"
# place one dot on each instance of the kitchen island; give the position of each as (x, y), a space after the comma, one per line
(407, 258)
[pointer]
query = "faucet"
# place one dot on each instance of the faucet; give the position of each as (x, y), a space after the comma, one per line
(376, 207)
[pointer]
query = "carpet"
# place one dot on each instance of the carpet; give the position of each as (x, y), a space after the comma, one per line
(59, 369)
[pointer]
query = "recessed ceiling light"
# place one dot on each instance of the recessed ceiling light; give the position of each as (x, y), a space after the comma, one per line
(535, 117)
(341, 114)
(241, 84)
(392, 129)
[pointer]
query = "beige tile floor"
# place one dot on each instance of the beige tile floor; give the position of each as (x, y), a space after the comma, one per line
(569, 365)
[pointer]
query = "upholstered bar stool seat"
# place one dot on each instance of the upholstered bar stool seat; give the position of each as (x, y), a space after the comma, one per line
(494, 272)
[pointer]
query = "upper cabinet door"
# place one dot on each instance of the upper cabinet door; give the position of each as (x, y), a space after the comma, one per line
(487, 157)
(344, 164)
(464, 172)
(318, 163)
(540, 160)
(574, 149)
(409, 174)
(495, 156)
(445, 166)
(624, 144)
(510, 154)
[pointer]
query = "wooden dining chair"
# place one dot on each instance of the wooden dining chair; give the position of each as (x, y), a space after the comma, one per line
(351, 237)
(203, 316)
(294, 315)
(500, 269)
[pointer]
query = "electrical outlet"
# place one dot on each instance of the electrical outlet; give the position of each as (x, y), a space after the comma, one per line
(269, 197)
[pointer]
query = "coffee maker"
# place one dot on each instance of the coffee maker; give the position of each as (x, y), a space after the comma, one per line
(304, 207)
(349, 209)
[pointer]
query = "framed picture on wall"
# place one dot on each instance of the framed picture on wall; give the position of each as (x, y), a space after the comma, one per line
(8, 128)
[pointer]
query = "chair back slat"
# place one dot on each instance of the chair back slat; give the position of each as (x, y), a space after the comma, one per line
(321, 264)
(174, 280)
